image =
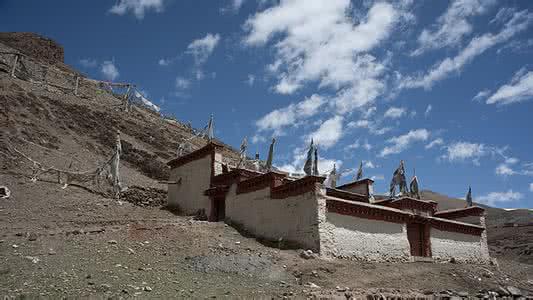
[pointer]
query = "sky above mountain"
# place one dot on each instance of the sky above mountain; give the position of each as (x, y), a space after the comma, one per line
(445, 86)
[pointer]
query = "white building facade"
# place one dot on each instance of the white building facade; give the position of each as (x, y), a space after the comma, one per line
(342, 222)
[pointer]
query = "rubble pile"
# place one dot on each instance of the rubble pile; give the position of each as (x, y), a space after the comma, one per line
(144, 196)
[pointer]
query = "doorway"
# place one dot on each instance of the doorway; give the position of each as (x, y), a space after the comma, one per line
(218, 211)
(418, 236)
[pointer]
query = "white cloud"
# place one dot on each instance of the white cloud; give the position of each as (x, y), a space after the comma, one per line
(354, 145)
(452, 26)
(531, 187)
(359, 124)
(137, 7)
(495, 198)
(250, 80)
(325, 165)
(88, 62)
(517, 46)
(520, 88)
(258, 139)
(289, 168)
(402, 142)
(182, 83)
(164, 62)
(527, 169)
(504, 170)
(369, 112)
(395, 112)
(286, 88)
(366, 146)
(328, 133)
(380, 131)
(481, 95)
(357, 144)
(503, 15)
(461, 151)
(435, 142)
(372, 126)
(322, 41)
(199, 74)
(429, 108)
(109, 70)
(233, 6)
(378, 177)
(364, 89)
(290, 115)
(511, 160)
(478, 45)
(202, 48)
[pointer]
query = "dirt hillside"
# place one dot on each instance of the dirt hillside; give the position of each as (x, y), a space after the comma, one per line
(71, 242)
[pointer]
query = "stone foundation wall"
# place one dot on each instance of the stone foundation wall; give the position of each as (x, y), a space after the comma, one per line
(366, 239)
(446, 245)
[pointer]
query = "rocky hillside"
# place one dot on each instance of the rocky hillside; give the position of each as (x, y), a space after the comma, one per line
(35, 46)
(79, 130)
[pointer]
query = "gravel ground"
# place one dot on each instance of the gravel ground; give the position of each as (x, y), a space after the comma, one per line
(72, 243)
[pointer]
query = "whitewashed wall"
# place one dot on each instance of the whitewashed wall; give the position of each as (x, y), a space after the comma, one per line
(462, 247)
(217, 165)
(365, 239)
(195, 179)
(293, 219)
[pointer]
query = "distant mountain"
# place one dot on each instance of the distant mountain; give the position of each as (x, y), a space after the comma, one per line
(495, 216)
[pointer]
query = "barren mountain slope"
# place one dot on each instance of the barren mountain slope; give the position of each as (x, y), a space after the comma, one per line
(495, 216)
(85, 125)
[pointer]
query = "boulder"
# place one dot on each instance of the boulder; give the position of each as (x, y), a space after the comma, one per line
(308, 254)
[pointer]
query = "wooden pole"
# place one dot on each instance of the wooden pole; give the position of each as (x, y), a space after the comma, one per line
(77, 84)
(126, 98)
(14, 65)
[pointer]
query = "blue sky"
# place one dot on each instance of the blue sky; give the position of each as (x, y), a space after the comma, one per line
(445, 86)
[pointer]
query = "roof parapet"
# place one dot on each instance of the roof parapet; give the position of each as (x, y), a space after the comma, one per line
(195, 155)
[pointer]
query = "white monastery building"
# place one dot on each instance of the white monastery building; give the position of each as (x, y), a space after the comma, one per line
(341, 222)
